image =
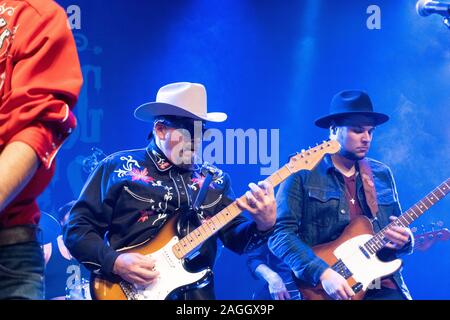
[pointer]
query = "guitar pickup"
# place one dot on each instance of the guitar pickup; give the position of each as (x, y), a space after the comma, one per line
(364, 252)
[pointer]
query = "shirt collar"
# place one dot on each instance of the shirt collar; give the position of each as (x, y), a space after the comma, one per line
(327, 165)
(158, 158)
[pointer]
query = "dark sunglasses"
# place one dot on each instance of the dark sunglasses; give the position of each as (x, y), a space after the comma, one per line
(183, 123)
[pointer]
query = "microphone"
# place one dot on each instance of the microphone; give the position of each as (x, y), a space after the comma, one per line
(426, 7)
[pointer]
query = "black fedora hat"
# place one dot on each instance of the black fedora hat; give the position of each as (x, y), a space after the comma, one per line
(350, 103)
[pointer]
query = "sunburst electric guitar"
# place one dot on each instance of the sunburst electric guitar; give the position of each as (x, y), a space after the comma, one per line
(170, 252)
(354, 253)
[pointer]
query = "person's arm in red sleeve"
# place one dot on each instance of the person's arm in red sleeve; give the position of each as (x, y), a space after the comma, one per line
(43, 83)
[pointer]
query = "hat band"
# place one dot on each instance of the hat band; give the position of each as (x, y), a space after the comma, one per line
(353, 120)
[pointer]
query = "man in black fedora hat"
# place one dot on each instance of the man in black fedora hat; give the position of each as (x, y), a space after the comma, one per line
(132, 195)
(314, 207)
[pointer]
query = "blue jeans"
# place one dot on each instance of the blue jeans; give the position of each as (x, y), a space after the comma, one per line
(22, 272)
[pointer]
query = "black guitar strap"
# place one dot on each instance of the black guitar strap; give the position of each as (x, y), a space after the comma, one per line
(184, 223)
(209, 173)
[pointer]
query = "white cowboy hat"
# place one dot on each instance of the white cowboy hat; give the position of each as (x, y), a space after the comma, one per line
(183, 99)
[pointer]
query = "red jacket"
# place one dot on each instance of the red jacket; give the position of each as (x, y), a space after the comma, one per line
(40, 80)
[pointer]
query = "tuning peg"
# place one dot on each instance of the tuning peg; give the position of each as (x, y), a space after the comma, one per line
(440, 223)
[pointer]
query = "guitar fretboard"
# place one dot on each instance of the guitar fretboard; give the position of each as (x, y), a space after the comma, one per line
(378, 241)
(211, 226)
(218, 221)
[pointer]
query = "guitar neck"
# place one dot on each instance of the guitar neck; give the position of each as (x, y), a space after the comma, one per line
(305, 160)
(211, 226)
(378, 241)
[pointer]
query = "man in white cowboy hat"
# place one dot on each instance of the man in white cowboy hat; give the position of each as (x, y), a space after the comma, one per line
(314, 207)
(132, 194)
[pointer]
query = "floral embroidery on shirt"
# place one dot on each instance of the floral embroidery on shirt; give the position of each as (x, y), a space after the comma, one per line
(127, 167)
(145, 215)
(141, 175)
(161, 162)
(8, 33)
(161, 208)
(198, 179)
(8, 10)
(160, 217)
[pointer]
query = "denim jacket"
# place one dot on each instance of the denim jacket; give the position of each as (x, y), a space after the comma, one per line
(312, 210)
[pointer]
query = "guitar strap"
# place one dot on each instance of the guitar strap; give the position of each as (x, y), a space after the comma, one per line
(193, 215)
(209, 173)
(368, 186)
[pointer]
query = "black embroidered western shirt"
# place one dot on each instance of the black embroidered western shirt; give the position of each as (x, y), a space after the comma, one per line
(130, 196)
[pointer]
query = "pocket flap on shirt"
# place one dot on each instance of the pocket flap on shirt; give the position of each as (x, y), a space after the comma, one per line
(323, 195)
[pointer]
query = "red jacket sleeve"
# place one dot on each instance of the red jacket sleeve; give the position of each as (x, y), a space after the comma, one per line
(43, 80)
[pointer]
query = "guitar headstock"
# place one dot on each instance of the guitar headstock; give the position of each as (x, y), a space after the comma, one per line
(308, 159)
(425, 240)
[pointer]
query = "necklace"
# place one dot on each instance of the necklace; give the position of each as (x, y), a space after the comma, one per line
(348, 194)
